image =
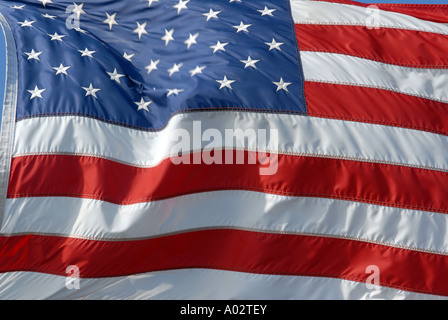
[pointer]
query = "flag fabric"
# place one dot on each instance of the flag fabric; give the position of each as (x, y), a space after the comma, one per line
(104, 197)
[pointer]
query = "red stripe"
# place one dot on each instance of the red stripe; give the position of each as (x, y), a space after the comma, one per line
(89, 177)
(234, 250)
(429, 12)
(376, 106)
(394, 46)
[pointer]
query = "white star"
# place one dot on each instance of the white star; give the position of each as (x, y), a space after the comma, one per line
(181, 5)
(196, 70)
(152, 66)
(168, 36)
(211, 14)
(234, 1)
(78, 9)
(151, 1)
(26, 23)
(191, 40)
(48, 16)
(16, 7)
(56, 37)
(61, 69)
(175, 68)
(128, 56)
(44, 2)
(274, 45)
(174, 91)
(111, 20)
(33, 55)
(140, 29)
(143, 105)
(91, 91)
(282, 85)
(225, 83)
(250, 63)
(87, 53)
(36, 93)
(266, 11)
(115, 76)
(242, 27)
(219, 46)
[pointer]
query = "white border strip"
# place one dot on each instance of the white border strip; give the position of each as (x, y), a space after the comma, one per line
(9, 113)
(320, 12)
(196, 284)
(242, 210)
(297, 135)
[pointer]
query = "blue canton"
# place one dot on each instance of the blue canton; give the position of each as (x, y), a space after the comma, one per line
(137, 63)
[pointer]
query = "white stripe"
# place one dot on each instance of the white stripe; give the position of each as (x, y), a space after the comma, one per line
(320, 12)
(93, 219)
(298, 135)
(195, 284)
(345, 69)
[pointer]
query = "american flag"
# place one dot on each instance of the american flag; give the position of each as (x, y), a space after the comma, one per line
(95, 206)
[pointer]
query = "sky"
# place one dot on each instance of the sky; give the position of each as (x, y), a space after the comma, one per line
(2, 41)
